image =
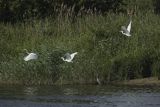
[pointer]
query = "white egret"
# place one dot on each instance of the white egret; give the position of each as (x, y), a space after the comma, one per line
(126, 31)
(30, 56)
(98, 81)
(69, 57)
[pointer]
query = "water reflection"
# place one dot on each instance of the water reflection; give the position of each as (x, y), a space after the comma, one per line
(30, 90)
(70, 91)
(79, 96)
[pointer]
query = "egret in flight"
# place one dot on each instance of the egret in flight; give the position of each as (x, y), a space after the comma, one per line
(126, 31)
(30, 56)
(69, 57)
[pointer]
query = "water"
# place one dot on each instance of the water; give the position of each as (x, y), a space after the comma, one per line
(79, 96)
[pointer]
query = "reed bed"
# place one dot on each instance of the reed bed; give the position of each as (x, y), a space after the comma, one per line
(102, 50)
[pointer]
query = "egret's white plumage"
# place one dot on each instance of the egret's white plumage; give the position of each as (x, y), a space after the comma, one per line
(30, 56)
(98, 81)
(69, 57)
(126, 31)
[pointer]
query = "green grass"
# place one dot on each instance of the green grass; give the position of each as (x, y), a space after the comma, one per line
(102, 49)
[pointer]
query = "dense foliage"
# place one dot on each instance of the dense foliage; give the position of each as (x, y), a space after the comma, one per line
(13, 10)
(102, 50)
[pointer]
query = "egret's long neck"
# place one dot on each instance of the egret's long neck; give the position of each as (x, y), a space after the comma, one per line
(98, 81)
(122, 32)
(62, 58)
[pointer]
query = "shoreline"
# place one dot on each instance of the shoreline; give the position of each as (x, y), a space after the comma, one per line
(151, 81)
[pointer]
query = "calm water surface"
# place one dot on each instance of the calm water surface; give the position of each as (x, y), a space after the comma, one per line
(79, 96)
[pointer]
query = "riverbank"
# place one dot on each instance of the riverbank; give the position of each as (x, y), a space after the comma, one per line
(151, 81)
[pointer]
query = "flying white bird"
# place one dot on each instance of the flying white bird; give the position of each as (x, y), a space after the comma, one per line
(126, 31)
(69, 57)
(30, 56)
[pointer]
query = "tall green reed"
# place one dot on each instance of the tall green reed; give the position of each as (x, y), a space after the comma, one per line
(102, 50)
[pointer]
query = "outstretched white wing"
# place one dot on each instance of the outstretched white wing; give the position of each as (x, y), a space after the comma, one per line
(129, 26)
(69, 57)
(30, 56)
(73, 54)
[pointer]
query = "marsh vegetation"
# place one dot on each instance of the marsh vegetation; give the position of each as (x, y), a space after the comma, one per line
(102, 49)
